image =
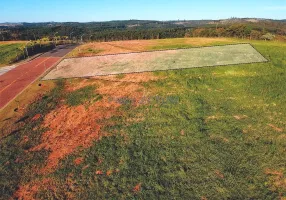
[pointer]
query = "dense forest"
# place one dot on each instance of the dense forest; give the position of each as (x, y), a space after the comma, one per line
(138, 29)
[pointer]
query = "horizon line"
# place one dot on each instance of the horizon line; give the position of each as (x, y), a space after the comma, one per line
(171, 20)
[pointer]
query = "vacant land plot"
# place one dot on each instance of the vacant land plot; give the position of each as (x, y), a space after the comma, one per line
(155, 61)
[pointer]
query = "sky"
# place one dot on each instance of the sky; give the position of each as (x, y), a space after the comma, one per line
(106, 10)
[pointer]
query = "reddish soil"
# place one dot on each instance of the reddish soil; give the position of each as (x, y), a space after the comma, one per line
(36, 117)
(73, 127)
(277, 179)
(78, 161)
(137, 188)
(275, 128)
(116, 47)
(70, 128)
(30, 190)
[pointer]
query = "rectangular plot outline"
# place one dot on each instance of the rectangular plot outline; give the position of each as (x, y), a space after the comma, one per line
(236, 44)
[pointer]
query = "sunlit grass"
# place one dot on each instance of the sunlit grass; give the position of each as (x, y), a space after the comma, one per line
(9, 52)
(223, 138)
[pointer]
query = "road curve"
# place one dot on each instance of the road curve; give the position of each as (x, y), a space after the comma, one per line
(16, 80)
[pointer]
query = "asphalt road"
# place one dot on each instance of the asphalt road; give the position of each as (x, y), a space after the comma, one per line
(13, 82)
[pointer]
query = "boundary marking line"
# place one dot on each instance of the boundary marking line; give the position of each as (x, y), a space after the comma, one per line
(266, 61)
(138, 52)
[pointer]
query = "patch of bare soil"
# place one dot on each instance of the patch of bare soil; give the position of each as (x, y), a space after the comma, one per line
(31, 189)
(110, 48)
(275, 128)
(70, 128)
(47, 186)
(134, 78)
(116, 47)
(73, 127)
(240, 117)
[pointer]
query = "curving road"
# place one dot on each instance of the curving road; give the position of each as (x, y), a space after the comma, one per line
(16, 80)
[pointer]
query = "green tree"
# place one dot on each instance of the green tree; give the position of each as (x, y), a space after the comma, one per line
(255, 35)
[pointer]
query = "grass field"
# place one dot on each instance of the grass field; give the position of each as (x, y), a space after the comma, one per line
(9, 51)
(202, 133)
(155, 61)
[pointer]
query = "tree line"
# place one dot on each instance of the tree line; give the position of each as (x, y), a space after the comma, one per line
(113, 33)
(238, 31)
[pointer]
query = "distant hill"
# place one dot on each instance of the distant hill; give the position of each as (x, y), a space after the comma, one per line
(138, 23)
(142, 29)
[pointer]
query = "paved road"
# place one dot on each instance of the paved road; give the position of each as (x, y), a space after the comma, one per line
(16, 80)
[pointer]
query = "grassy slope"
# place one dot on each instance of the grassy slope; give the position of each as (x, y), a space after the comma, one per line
(212, 132)
(8, 52)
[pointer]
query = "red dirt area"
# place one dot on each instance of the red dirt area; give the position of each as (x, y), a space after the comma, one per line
(275, 128)
(73, 127)
(30, 190)
(137, 188)
(78, 161)
(80, 126)
(135, 78)
(46, 185)
(17, 79)
(70, 128)
(36, 117)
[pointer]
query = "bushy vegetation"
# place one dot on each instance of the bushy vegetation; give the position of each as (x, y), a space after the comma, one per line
(236, 30)
(136, 29)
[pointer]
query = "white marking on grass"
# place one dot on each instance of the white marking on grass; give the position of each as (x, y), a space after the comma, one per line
(156, 61)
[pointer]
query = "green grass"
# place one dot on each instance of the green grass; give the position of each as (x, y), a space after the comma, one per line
(16, 164)
(94, 51)
(190, 148)
(82, 95)
(9, 52)
(180, 43)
